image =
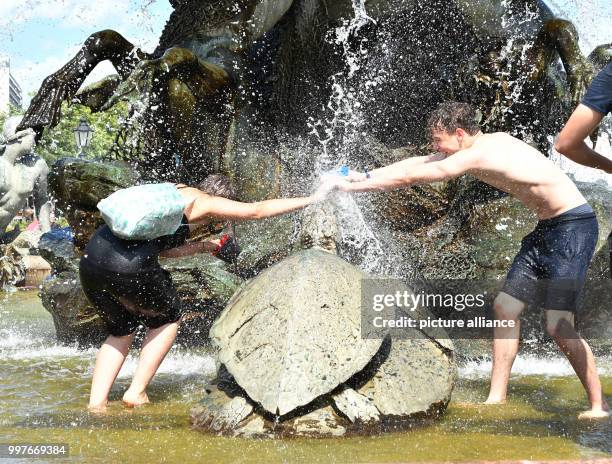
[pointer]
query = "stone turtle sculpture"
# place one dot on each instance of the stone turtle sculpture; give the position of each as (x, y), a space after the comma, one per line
(311, 306)
(294, 361)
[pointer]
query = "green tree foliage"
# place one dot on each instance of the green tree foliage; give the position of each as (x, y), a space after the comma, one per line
(59, 142)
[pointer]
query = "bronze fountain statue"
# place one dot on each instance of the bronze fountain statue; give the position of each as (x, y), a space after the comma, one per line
(188, 92)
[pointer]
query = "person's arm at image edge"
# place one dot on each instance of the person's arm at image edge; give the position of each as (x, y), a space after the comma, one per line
(425, 173)
(571, 139)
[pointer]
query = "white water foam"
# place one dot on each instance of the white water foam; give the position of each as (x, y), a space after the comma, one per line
(177, 363)
(24, 346)
(41, 352)
(22, 343)
(529, 365)
(10, 339)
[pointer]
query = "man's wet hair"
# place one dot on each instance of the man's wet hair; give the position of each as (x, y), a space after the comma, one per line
(451, 115)
(219, 186)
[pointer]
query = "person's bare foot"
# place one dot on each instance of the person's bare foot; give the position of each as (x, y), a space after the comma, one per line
(131, 399)
(495, 401)
(594, 414)
(97, 408)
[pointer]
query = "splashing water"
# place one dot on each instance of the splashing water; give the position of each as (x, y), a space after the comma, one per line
(583, 173)
(358, 237)
(516, 69)
(344, 119)
(36, 343)
(529, 364)
(340, 129)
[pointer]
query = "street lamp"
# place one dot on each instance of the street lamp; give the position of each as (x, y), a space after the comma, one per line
(82, 135)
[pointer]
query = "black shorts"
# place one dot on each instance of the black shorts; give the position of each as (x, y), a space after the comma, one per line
(125, 301)
(550, 268)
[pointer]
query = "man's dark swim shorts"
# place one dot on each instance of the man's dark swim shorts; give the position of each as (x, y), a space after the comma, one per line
(551, 266)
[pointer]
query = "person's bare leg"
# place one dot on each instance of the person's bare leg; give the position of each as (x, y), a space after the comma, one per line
(560, 326)
(505, 346)
(109, 360)
(156, 345)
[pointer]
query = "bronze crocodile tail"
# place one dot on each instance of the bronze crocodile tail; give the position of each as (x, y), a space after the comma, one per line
(62, 85)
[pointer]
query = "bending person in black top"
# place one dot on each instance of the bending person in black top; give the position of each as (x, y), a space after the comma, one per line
(124, 281)
(596, 103)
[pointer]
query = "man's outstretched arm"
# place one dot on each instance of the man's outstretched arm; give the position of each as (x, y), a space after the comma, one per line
(424, 173)
(571, 139)
(403, 165)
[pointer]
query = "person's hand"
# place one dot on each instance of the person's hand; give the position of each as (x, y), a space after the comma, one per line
(356, 176)
(346, 186)
(328, 185)
(228, 249)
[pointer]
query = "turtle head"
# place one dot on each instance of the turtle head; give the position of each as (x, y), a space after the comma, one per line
(319, 227)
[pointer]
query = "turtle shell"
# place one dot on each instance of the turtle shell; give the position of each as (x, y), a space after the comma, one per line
(293, 333)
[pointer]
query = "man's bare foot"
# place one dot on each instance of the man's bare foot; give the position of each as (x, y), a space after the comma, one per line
(131, 399)
(594, 414)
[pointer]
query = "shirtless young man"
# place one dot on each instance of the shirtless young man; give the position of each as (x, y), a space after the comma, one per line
(557, 252)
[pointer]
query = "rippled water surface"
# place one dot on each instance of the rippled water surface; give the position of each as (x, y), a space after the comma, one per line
(44, 388)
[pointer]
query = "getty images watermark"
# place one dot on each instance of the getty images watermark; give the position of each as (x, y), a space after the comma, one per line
(460, 309)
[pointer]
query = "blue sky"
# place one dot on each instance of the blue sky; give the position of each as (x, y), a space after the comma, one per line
(41, 35)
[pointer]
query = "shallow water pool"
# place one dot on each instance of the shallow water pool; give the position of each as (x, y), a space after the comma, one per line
(45, 387)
